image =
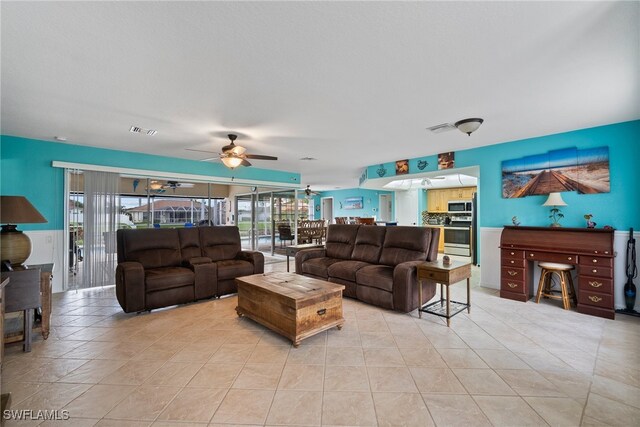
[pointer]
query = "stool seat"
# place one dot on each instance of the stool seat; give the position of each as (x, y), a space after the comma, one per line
(555, 266)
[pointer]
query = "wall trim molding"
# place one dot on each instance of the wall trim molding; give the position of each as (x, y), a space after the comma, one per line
(147, 173)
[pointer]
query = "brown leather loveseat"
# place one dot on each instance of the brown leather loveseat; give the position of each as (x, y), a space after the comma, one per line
(163, 267)
(376, 265)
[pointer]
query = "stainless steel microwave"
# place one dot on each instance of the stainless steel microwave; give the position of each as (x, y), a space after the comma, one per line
(460, 206)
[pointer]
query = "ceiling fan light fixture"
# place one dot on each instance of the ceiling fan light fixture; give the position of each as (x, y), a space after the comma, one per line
(231, 161)
(469, 126)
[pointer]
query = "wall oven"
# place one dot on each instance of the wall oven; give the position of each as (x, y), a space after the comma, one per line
(460, 207)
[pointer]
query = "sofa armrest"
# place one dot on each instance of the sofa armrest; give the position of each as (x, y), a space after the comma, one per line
(130, 289)
(254, 257)
(306, 254)
(405, 287)
(199, 260)
(206, 277)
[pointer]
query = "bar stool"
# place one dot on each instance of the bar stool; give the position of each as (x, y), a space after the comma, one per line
(564, 273)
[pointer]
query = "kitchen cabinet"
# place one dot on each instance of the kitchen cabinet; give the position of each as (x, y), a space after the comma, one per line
(437, 200)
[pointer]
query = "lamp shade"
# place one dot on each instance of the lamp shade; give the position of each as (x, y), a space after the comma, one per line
(469, 125)
(554, 199)
(18, 210)
(15, 246)
(231, 161)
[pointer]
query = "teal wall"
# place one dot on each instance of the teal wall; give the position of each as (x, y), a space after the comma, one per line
(619, 208)
(25, 169)
(370, 202)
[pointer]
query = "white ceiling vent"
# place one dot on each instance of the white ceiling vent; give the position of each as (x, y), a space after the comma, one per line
(137, 129)
(442, 128)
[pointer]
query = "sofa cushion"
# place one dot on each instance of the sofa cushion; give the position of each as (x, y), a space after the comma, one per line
(318, 266)
(402, 244)
(150, 247)
(376, 276)
(232, 268)
(340, 240)
(220, 242)
(189, 244)
(157, 279)
(346, 270)
(368, 244)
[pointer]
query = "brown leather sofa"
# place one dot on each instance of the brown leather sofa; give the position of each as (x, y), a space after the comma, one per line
(376, 265)
(163, 267)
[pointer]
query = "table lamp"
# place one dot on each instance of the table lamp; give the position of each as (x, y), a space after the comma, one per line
(15, 246)
(554, 200)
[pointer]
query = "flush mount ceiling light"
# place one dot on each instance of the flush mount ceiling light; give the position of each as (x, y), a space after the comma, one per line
(468, 126)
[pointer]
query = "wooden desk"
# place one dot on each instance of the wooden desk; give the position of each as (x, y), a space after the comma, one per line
(590, 250)
(445, 275)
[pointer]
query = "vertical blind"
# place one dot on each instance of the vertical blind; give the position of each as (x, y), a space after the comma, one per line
(101, 213)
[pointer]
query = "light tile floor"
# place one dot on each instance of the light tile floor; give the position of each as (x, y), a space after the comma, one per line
(505, 364)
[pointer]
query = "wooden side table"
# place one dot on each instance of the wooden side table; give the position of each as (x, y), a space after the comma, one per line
(294, 249)
(5, 399)
(445, 275)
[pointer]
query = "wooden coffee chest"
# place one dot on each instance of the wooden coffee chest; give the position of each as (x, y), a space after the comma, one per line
(292, 305)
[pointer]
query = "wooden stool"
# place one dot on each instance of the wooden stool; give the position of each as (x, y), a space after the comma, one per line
(564, 273)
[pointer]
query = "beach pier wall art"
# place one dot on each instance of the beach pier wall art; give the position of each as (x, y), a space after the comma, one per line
(585, 171)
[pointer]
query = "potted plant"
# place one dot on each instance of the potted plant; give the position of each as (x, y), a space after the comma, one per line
(590, 224)
(556, 216)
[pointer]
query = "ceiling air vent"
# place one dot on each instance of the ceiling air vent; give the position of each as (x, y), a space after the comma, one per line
(308, 158)
(441, 128)
(137, 129)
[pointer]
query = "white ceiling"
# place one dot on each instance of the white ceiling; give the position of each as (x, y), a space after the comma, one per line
(351, 84)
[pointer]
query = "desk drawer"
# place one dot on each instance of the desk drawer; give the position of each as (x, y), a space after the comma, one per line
(513, 262)
(437, 276)
(595, 284)
(595, 299)
(595, 271)
(512, 254)
(596, 261)
(513, 274)
(515, 286)
(551, 257)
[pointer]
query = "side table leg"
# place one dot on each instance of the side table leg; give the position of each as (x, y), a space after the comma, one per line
(419, 299)
(28, 329)
(441, 294)
(468, 295)
(448, 308)
(287, 262)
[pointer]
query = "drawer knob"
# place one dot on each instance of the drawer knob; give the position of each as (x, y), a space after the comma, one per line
(322, 311)
(595, 284)
(595, 252)
(512, 262)
(530, 254)
(569, 258)
(606, 252)
(512, 273)
(513, 253)
(594, 270)
(595, 260)
(595, 298)
(512, 285)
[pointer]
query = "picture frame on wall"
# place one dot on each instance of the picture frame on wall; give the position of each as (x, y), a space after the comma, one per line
(353, 203)
(402, 167)
(446, 160)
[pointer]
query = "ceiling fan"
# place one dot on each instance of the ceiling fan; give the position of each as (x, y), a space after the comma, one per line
(429, 181)
(309, 192)
(159, 187)
(467, 126)
(235, 155)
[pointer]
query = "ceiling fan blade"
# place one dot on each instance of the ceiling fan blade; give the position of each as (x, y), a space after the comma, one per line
(200, 151)
(208, 159)
(260, 157)
(245, 162)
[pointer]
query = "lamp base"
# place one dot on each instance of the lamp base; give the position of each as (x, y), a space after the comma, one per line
(15, 246)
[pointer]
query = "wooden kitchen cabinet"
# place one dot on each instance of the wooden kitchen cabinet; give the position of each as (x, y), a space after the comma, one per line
(437, 200)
